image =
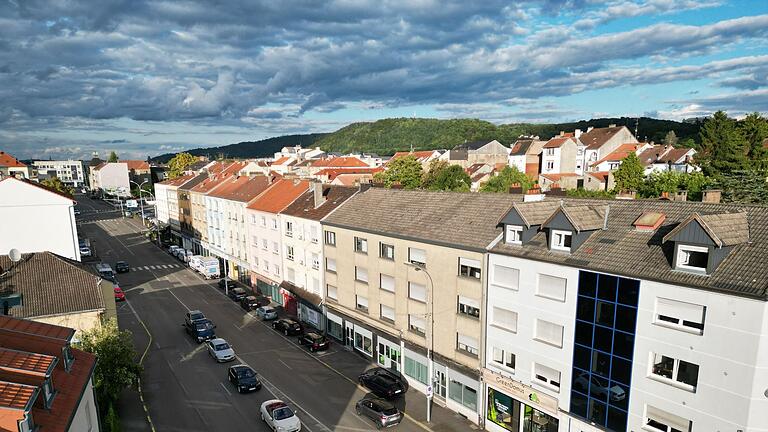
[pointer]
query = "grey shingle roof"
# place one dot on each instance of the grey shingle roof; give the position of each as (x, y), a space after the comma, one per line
(537, 212)
(50, 285)
(583, 217)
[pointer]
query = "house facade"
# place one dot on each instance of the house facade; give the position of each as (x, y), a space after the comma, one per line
(14, 167)
(70, 172)
(111, 177)
(559, 155)
(525, 155)
(599, 142)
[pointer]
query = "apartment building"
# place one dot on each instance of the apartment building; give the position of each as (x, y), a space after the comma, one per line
(189, 239)
(14, 167)
(265, 241)
(303, 273)
(525, 155)
(627, 315)
(217, 174)
(559, 155)
(111, 178)
(70, 172)
(167, 204)
(599, 142)
(404, 271)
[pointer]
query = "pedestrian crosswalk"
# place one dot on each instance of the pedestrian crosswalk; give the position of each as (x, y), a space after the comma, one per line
(157, 267)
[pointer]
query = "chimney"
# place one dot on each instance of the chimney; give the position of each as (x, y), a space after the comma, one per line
(556, 190)
(533, 194)
(589, 129)
(516, 189)
(577, 133)
(681, 196)
(664, 196)
(317, 193)
(562, 133)
(712, 196)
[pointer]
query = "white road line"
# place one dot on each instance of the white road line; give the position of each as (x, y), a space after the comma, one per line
(285, 364)
(225, 388)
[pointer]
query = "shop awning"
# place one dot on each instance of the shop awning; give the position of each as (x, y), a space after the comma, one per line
(308, 297)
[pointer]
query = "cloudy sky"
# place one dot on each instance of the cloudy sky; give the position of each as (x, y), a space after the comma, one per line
(149, 77)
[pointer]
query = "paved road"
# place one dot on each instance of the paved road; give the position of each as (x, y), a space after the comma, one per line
(184, 388)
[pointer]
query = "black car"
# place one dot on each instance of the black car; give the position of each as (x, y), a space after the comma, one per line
(122, 267)
(249, 303)
(288, 326)
(315, 341)
(243, 378)
(385, 383)
(194, 316)
(201, 330)
(237, 294)
(229, 284)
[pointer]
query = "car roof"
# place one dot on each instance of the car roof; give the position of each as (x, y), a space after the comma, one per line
(218, 340)
(241, 366)
(288, 321)
(250, 298)
(121, 262)
(383, 403)
(275, 405)
(195, 312)
(238, 289)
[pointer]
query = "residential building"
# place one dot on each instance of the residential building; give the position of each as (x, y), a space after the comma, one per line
(599, 181)
(265, 240)
(559, 155)
(559, 180)
(479, 173)
(45, 384)
(424, 157)
(525, 155)
(37, 219)
(328, 175)
(139, 171)
(599, 142)
(56, 290)
(70, 172)
(404, 272)
(14, 167)
(352, 179)
(303, 270)
(667, 158)
(111, 178)
(466, 154)
(167, 204)
(613, 160)
(189, 239)
(337, 163)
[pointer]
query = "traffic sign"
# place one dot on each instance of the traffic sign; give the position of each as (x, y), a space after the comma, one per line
(429, 391)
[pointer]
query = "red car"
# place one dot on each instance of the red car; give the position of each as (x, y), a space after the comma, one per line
(119, 294)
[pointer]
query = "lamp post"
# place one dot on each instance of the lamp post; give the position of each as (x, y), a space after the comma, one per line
(141, 200)
(430, 337)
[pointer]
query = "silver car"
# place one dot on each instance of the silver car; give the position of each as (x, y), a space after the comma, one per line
(220, 350)
(382, 412)
(266, 313)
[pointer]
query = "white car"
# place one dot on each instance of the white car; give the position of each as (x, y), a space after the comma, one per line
(220, 350)
(279, 416)
(85, 251)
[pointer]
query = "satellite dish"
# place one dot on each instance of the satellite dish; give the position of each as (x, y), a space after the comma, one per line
(14, 255)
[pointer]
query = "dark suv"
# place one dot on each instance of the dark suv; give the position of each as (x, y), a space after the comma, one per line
(122, 267)
(287, 326)
(385, 383)
(315, 341)
(249, 303)
(229, 283)
(194, 316)
(201, 330)
(243, 378)
(237, 294)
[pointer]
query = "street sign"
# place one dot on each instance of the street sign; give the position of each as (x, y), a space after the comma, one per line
(131, 203)
(429, 391)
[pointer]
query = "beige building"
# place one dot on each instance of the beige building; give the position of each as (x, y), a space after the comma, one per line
(394, 260)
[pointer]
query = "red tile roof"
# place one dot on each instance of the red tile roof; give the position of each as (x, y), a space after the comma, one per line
(283, 160)
(15, 395)
(341, 161)
(26, 361)
(7, 160)
(333, 172)
(178, 181)
(279, 196)
(619, 154)
(419, 155)
(600, 175)
(9, 325)
(241, 188)
(557, 142)
(221, 172)
(557, 176)
(351, 179)
(70, 387)
(136, 165)
(333, 197)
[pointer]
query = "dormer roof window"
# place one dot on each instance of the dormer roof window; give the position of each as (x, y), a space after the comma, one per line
(513, 234)
(523, 220)
(561, 240)
(570, 226)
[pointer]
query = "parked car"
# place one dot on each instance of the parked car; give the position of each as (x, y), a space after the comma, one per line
(220, 350)
(85, 251)
(105, 271)
(287, 326)
(194, 316)
(229, 284)
(172, 249)
(266, 313)
(243, 378)
(315, 341)
(201, 331)
(237, 294)
(77, 212)
(384, 382)
(122, 267)
(279, 416)
(119, 294)
(128, 213)
(249, 303)
(598, 388)
(382, 412)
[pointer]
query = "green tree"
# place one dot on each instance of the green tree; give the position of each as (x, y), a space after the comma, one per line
(452, 178)
(754, 129)
(670, 139)
(745, 186)
(405, 171)
(179, 163)
(113, 157)
(723, 148)
(673, 181)
(56, 184)
(502, 181)
(117, 368)
(629, 175)
(435, 167)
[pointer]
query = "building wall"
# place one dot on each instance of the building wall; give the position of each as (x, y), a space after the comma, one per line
(266, 261)
(86, 417)
(83, 321)
(172, 198)
(113, 176)
(161, 203)
(68, 171)
(306, 241)
(554, 158)
(199, 217)
(568, 157)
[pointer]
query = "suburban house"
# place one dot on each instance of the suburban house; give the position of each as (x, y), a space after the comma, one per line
(612, 160)
(37, 219)
(559, 155)
(559, 180)
(13, 167)
(70, 172)
(525, 155)
(599, 142)
(111, 178)
(424, 157)
(667, 158)
(45, 384)
(479, 173)
(599, 181)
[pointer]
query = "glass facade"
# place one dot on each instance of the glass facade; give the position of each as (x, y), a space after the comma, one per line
(515, 416)
(606, 313)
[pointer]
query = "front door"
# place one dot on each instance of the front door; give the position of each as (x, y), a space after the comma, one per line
(349, 335)
(440, 383)
(388, 356)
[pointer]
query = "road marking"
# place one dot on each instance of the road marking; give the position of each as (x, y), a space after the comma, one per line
(141, 361)
(225, 388)
(284, 363)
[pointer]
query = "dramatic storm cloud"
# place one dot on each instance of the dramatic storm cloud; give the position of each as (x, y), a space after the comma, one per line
(148, 77)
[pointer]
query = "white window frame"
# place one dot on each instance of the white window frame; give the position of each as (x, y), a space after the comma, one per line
(550, 165)
(289, 228)
(330, 264)
(274, 223)
(265, 244)
(417, 324)
(411, 286)
(361, 303)
(674, 381)
(264, 221)
(330, 238)
(386, 316)
(539, 377)
(289, 253)
(513, 234)
(361, 245)
(668, 419)
(544, 324)
(467, 306)
(467, 344)
(470, 268)
(549, 152)
(554, 244)
(415, 260)
(506, 359)
(386, 246)
(275, 247)
(688, 248)
(331, 292)
(358, 274)
(686, 311)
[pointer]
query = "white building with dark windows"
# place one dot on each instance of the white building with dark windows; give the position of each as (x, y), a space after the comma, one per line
(70, 172)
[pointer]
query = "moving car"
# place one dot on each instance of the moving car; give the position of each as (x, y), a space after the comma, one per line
(220, 350)
(249, 303)
(122, 267)
(266, 313)
(119, 294)
(194, 316)
(229, 283)
(237, 294)
(287, 326)
(383, 382)
(279, 416)
(315, 341)
(382, 412)
(243, 378)
(201, 331)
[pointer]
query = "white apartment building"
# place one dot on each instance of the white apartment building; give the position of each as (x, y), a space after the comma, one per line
(111, 177)
(36, 219)
(70, 172)
(559, 155)
(599, 142)
(167, 204)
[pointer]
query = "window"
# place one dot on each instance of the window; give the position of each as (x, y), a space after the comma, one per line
(289, 253)
(313, 233)
(331, 292)
(416, 370)
(417, 256)
(550, 165)
(361, 245)
(256, 262)
(264, 244)
(551, 287)
(330, 264)
(274, 223)
(330, 238)
(680, 371)
(417, 292)
(276, 269)
(680, 315)
(546, 375)
(549, 332)
(561, 240)
(361, 303)
(504, 358)
(514, 234)
(255, 240)
(386, 251)
(466, 343)
(506, 277)
(657, 420)
(468, 306)
(290, 275)
(266, 265)
(289, 229)
(463, 394)
(387, 282)
(263, 221)
(550, 152)
(417, 324)
(505, 319)
(315, 261)
(361, 274)
(469, 268)
(693, 258)
(387, 313)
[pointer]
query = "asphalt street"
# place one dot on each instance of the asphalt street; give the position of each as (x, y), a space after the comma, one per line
(184, 388)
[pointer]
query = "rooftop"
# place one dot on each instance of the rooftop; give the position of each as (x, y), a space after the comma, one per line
(341, 161)
(619, 154)
(136, 164)
(7, 160)
(26, 361)
(39, 186)
(333, 197)
(595, 138)
(242, 188)
(279, 196)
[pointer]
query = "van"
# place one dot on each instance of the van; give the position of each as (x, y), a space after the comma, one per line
(105, 271)
(195, 261)
(209, 267)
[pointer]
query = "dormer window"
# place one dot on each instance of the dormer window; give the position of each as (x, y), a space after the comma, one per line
(27, 424)
(561, 240)
(69, 358)
(692, 258)
(514, 234)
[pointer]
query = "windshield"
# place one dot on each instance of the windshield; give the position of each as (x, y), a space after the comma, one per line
(282, 413)
(204, 326)
(196, 316)
(221, 346)
(389, 411)
(246, 373)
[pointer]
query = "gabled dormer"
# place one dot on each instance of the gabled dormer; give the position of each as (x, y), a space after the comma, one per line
(701, 242)
(523, 221)
(569, 226)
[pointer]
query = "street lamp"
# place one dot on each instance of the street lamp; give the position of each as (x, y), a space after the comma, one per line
(430, 337)
(141, 200)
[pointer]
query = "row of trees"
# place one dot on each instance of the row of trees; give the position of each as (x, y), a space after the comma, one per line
(407, 172)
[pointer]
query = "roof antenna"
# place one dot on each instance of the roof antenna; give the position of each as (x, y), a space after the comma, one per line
(637, 123)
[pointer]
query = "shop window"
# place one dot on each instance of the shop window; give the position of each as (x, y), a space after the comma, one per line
(463, 394)
(416, 370)
(469, 307)
(681, 372)
(469, 268)
(363, 343)
(506, 277)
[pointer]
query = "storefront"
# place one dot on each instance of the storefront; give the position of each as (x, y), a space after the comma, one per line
(388, 353)
(267, 288)
(303, 304)
(335, 326)
(515, 407)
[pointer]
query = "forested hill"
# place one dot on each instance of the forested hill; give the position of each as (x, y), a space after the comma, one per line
(398, 134)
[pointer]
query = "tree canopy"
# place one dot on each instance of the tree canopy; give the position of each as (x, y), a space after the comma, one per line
(629, 175)
(451, 178)
(505, 179)
(56, 184)
(723, 148)
(405, 171)
(179, 163)
(113, 157)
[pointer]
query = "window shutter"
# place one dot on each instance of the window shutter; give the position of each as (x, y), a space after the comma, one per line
(671, 420)
(417, 321)
(467, 340)
(549, 332)
(506, 277)
(469, 262)
(505, 318)
(418, 255)
(552, 286)
(417, 291)
(469, 302)
(677, 309)
(361, 274)
(387, 282)
(387, 312)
